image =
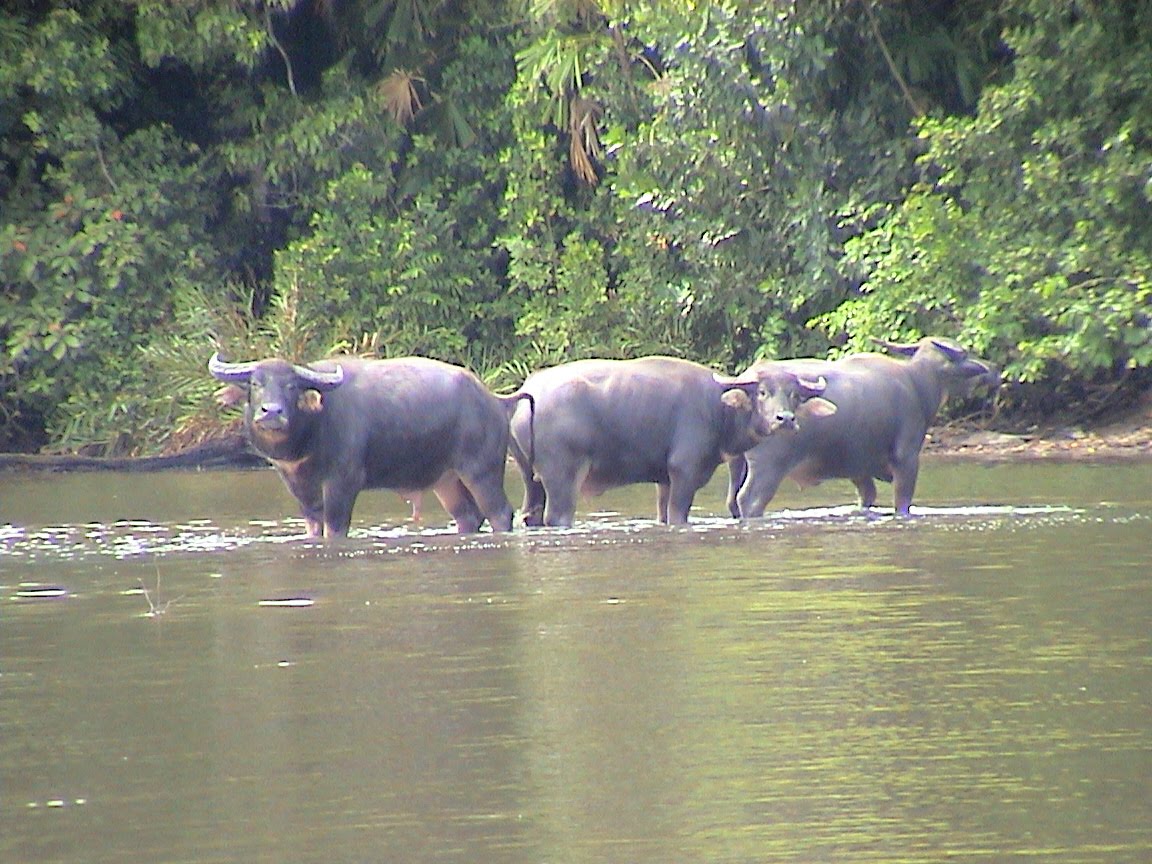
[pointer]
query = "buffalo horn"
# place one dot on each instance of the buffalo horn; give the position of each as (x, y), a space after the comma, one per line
(895, 347)
(812, 387)
(230, 371)
(320, 380)
(728, 381)
(956, 355)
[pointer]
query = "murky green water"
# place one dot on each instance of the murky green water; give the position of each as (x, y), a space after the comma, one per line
(972, 684)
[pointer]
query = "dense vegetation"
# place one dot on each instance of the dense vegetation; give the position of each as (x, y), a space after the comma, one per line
(509, 185)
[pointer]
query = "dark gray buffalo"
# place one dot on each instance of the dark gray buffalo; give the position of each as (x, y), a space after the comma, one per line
(334, 428)
(605, 423)
(884, 407)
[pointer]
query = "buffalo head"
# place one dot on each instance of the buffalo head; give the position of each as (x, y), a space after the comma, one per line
(279, 392)
(958, 371)
(781, 399)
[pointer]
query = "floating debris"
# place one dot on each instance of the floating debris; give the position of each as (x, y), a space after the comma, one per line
(55, 803)
(35, 591)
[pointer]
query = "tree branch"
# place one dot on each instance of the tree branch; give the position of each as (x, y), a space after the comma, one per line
(279, 47)
(917, 111)
(104, 167)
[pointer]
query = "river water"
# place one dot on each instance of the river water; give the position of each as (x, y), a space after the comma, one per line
(183, 678)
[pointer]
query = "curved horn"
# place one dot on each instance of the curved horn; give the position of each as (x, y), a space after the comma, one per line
(321, 380)
(741, 380)
(952, 352)
(230, 371)
(895, 347)
(812, 387)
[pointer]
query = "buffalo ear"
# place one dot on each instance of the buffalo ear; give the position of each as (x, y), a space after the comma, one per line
(818, 407)
(310, 401)
(736, 398)
(229, 395)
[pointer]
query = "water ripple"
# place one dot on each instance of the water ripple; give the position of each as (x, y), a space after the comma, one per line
(129, 539)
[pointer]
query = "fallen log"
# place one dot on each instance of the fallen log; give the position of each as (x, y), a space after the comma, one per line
(229, 452)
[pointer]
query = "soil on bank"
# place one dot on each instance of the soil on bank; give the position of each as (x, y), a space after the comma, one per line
(1127, 436)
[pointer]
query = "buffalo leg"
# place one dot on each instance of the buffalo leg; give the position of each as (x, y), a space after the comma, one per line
(310, 497)
(663, 492)
(679, 503)
(532, 510)
(458, 501)
(866, 489)
(338, 504)
(560, 497)
(488, 493)
(685, 482)
(760, 485)
(313, 521)
(560, 507)
(534, 502)
(904, 486)
(737, 474)
(313, 513)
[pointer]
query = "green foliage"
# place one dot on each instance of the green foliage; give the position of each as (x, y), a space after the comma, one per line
(1030, 238)
(80, 284)
(203, 32)
(116, 221)
(405, 276)
(565, 316)
(402, 254)
(708, 250)
(707, 180)
(86, 275)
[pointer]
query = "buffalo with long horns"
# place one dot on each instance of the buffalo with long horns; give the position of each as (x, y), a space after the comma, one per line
(336, 427)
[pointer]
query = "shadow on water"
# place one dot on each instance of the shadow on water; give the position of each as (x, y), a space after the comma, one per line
(184, 678)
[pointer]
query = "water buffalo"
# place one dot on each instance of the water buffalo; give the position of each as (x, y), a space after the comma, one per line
(605, 423)
(885, 405)
(334, 428)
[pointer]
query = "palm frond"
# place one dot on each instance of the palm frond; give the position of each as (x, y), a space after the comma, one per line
(584, 138)
(401, 99)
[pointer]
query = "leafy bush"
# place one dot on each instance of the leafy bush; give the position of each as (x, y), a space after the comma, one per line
(89, 279)
(1029, 237)
(721, 182)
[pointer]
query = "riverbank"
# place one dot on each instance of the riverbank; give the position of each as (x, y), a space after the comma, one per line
(1126, 437)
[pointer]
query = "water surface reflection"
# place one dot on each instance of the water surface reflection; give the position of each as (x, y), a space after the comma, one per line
(818, 686)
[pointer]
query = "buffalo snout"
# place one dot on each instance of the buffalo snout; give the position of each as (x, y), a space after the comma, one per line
(270, 415)
(783, 420)
(990, 379)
